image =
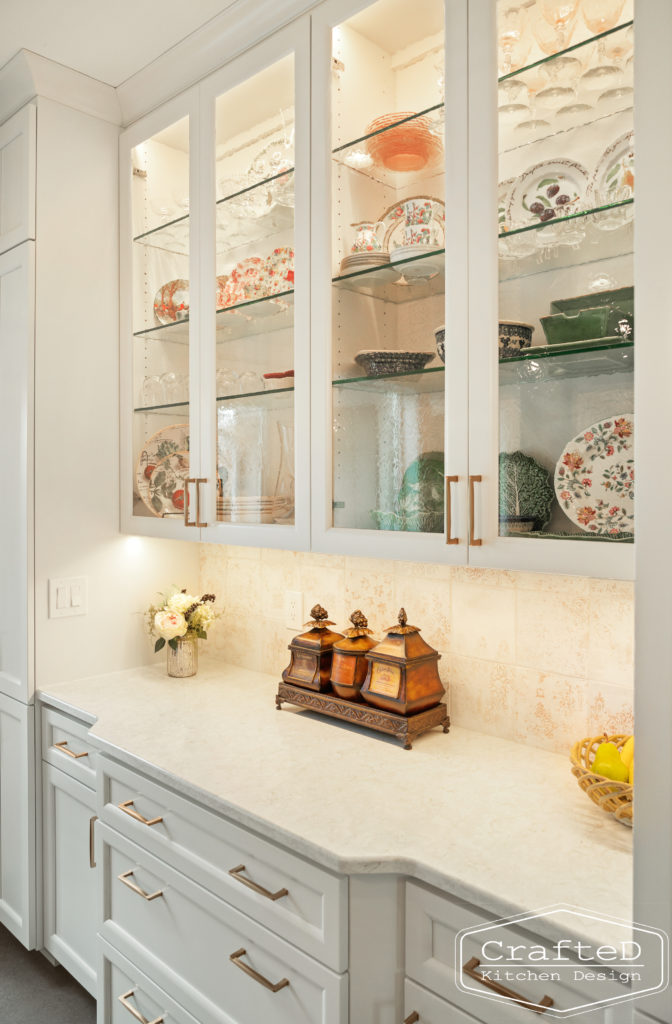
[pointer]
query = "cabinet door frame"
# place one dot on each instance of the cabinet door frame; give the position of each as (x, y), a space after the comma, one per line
(18, 180)
(599, 559)
(185, 105)
(18, 366)
(377, 543)
(17, 828)
(294, 39)
(53, 779)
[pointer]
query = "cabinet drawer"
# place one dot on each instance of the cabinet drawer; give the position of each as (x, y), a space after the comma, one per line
(246, 871)
(125, 991)
(159, 916)
(430, 1009)
(432, 924)
(67, 745)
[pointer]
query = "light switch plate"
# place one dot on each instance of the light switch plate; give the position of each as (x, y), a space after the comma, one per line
(69, 596)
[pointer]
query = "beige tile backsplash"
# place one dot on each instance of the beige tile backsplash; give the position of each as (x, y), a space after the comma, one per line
(540, 659)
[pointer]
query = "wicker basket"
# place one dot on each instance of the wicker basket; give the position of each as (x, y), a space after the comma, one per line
(611, 796)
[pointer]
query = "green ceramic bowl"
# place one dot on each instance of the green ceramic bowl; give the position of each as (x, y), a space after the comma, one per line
(584, 325)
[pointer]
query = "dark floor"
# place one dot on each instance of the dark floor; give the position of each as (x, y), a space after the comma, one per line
(34, 992)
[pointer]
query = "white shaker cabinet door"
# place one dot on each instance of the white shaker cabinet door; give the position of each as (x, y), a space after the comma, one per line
(17, 178)
(16, 459)
(17, 820)
(69, 814)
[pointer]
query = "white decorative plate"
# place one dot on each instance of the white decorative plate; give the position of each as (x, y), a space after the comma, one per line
(165, 442)
(595, 477)
(614, 181)
(551, 189)
(166, 484)
(395, 221)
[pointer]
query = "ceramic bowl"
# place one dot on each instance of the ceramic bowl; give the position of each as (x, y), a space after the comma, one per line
(377, 362)
(513, 337)
(583, 325)
(511, 525)
(440, 335)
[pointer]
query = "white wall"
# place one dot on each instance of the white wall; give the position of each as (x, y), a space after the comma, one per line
(76, 433)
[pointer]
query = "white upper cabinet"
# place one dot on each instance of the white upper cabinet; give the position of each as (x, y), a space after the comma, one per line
(420, 241)
(17, 178)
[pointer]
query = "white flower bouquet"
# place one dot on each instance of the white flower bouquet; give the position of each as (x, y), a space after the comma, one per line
(180, 616)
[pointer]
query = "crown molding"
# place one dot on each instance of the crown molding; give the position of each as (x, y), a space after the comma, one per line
(28, 75)
(241, 24)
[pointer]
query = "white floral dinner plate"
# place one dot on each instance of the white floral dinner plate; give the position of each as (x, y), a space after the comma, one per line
(278, 272)
(166, 484)
(614, 181)
(167, 441)
(551, 189)
(595, 477)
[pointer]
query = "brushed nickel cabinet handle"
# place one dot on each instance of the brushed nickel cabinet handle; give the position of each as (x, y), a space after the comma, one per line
(92, 852)
(412, 1018)
(235, 873)
(125, 807)
(473, 541)
(449, 517)
(470, 969)
(63, 747)
(124, 877)
(235, 959)
(136, 1013)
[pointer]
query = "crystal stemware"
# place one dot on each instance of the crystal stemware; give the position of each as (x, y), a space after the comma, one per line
(511, 29)
(562, 72)
(561, 14)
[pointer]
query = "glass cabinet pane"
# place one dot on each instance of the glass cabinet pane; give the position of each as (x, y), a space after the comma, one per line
(566, 251)
(161, 328)
(388, 284)
(255, 298)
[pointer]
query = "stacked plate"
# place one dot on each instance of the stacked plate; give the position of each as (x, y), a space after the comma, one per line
(262, 509)
(362, 260)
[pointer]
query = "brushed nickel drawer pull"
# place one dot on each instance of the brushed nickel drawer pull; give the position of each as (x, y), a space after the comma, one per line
(124, 877)
(136, 1013)
(473, 541)
(63, 747)
(470, 969)
(235, 873)
(412, 1018)
(235, 959)
(134, 814)
(92, 852)
(449, 517)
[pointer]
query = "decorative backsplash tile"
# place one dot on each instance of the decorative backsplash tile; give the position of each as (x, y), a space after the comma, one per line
(539, 659)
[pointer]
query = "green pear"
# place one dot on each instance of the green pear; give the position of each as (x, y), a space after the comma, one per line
(608, 763)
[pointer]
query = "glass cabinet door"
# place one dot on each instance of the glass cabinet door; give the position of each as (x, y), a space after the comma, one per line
(157, 312)
(260, 372)
(380, 224)
(563, 482)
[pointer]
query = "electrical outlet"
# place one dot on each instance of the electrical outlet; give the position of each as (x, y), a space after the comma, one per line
(68, 597)
(294, 609)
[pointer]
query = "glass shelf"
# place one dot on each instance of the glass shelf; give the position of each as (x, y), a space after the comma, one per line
(597, 120)
(264, 183)
(548, 363)
(399, 282)
(169, 408)
(355, 156)
(561, 53)
(256, 316)
(597, 248)
(417, 382)
(173, 236)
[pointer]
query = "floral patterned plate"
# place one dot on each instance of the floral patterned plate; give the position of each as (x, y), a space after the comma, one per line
(394, 220)
(594, 477)
(165, 442)
(245, 282)
(166, 484)
(554, 188)
(278, 272)
(614, 181)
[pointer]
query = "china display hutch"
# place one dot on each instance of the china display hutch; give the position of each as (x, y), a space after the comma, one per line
(378, 290)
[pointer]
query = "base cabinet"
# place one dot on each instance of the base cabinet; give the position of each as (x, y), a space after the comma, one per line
(70, 874)
(17, 822)
(423, 1007)
(127, 994)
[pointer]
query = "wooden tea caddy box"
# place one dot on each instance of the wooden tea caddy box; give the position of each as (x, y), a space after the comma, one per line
(402, 680)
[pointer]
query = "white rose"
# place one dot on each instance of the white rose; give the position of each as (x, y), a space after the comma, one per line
(203, 617)
(170, 624)
(180, 603)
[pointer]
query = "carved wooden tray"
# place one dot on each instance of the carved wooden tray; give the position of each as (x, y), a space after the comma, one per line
(401, 727)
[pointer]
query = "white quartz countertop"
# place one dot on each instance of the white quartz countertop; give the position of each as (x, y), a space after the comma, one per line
(493, 822)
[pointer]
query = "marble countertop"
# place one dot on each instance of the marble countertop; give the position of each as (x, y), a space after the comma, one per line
(493, 822)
